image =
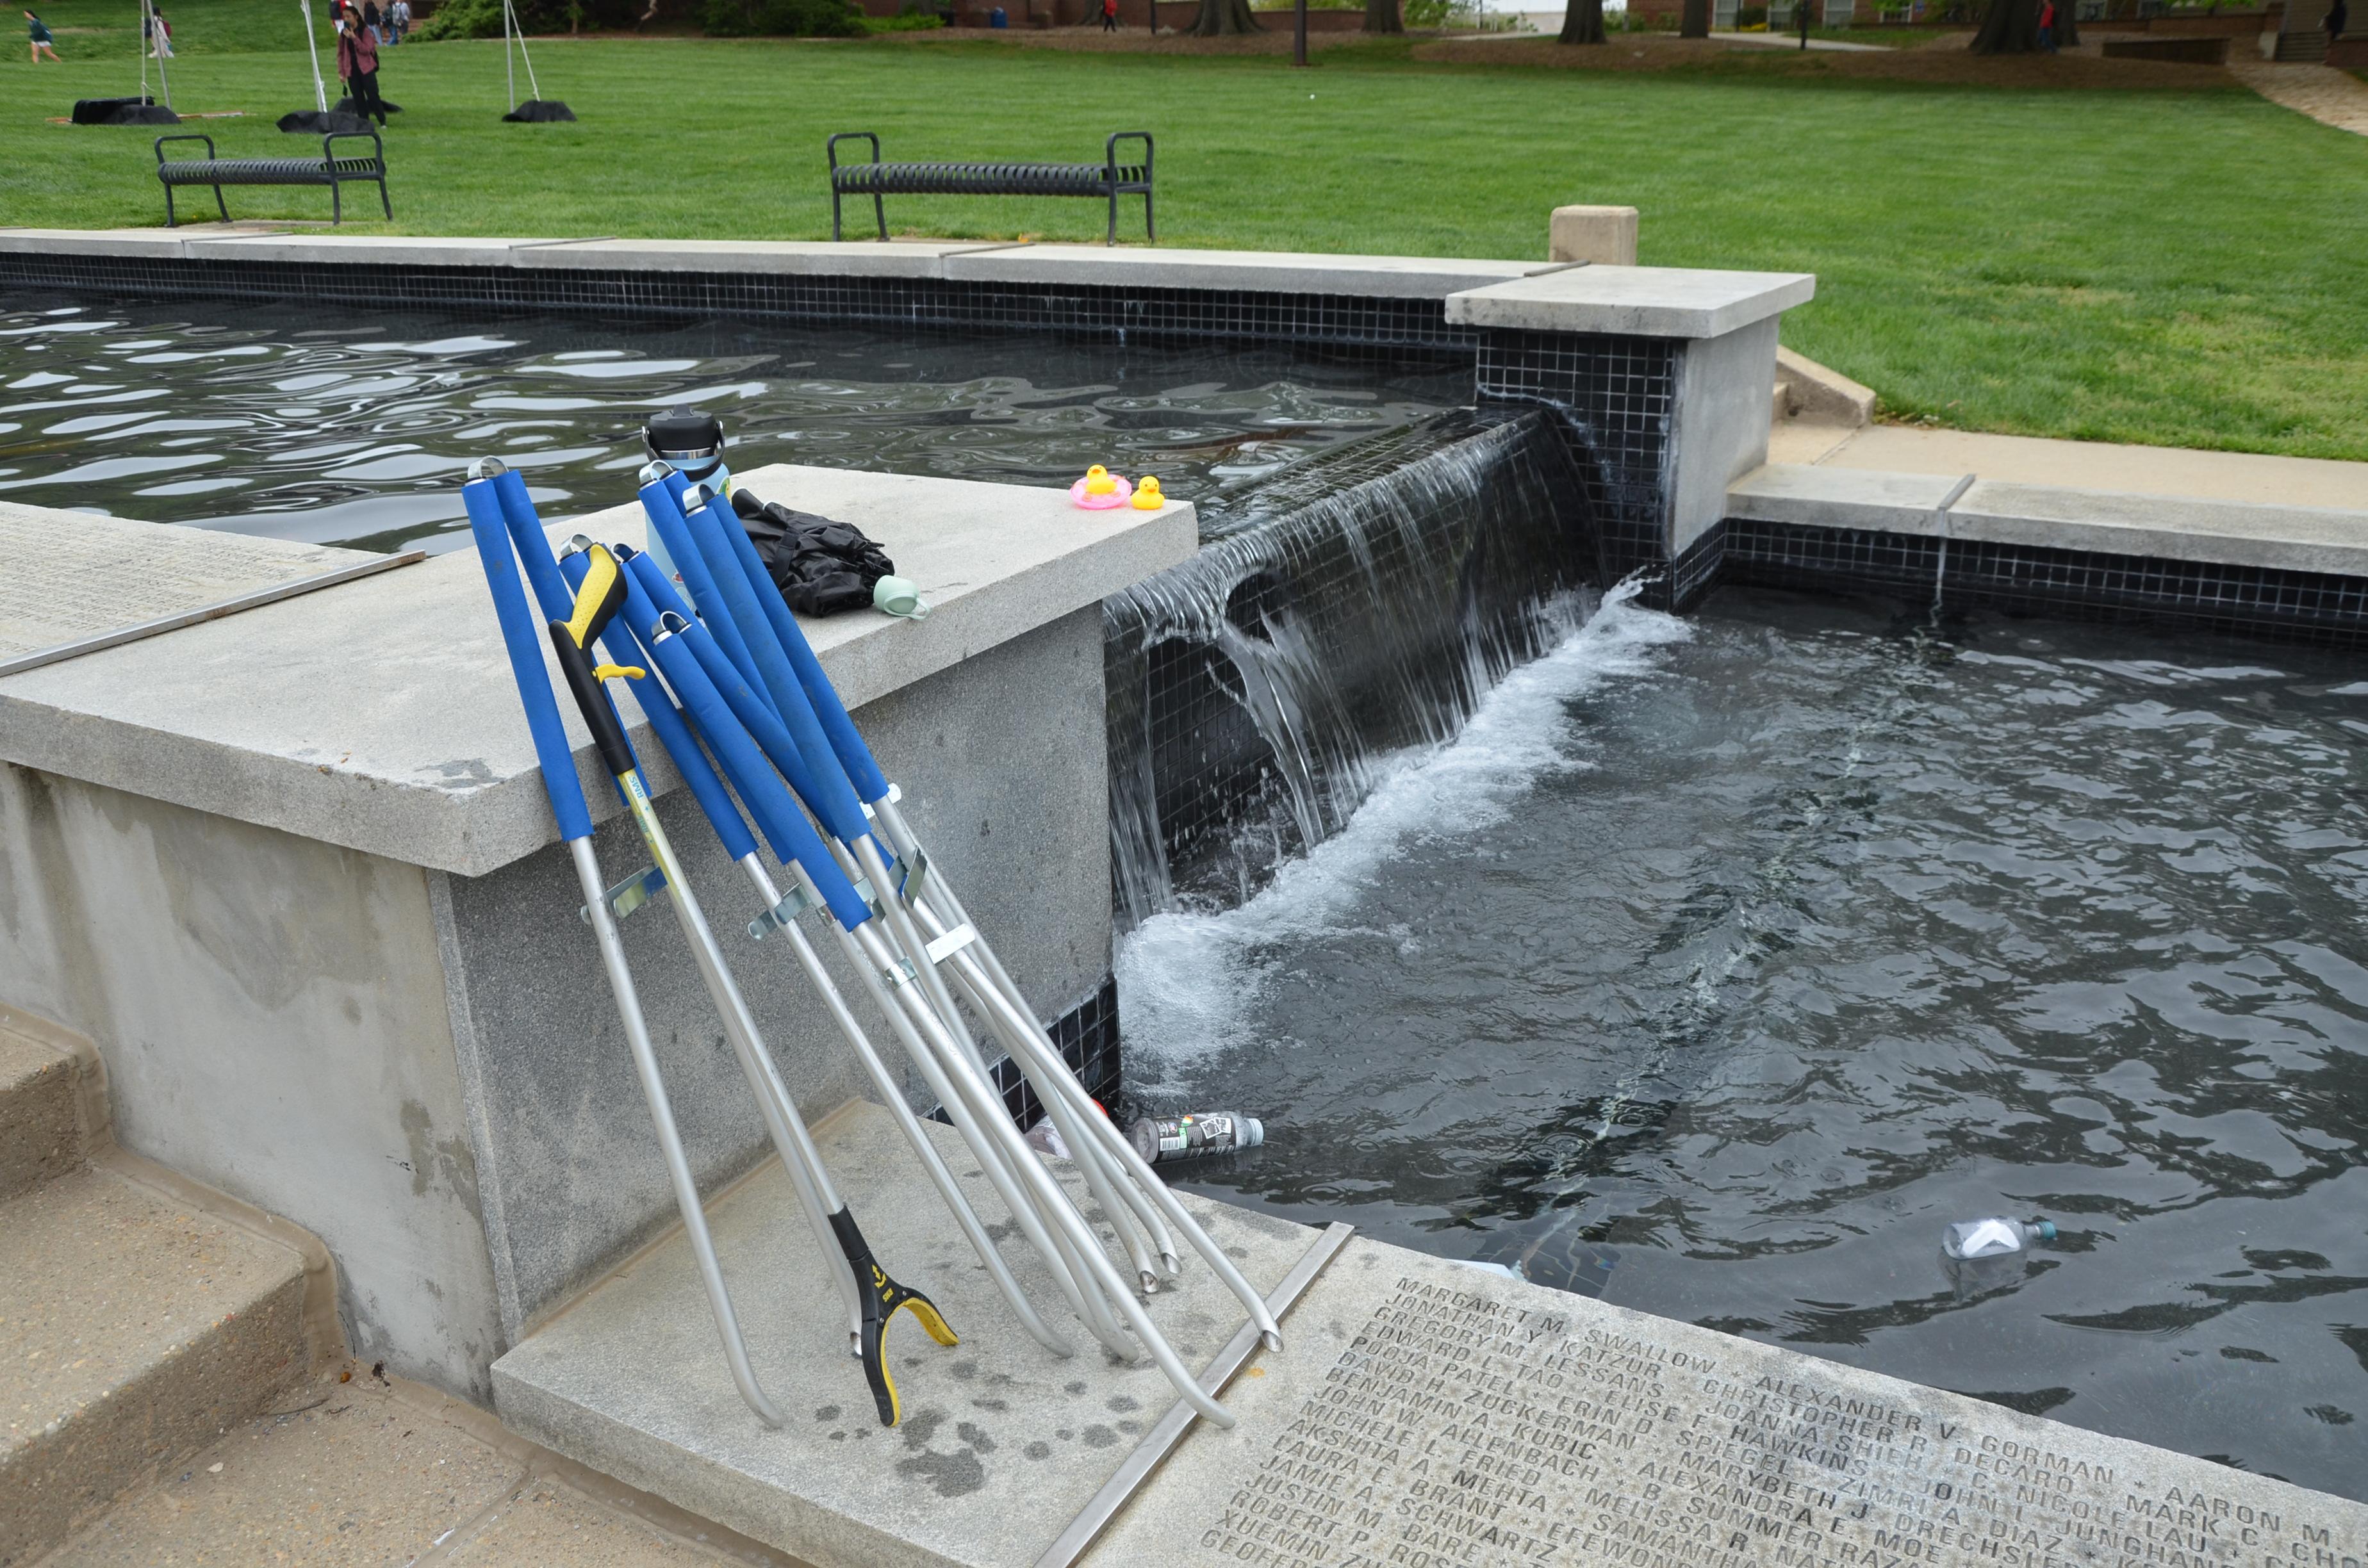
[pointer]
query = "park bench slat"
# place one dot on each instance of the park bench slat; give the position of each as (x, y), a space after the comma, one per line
(1109, 179)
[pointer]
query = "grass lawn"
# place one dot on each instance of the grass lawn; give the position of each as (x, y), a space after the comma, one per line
(2177, 266)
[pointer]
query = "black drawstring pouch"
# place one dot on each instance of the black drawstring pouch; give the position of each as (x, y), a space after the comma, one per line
(820, 566)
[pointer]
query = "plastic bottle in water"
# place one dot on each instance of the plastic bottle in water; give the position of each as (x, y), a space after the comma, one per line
(1163, 1138)
(1994, 1237)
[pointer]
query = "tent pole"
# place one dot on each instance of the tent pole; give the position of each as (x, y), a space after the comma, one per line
(509, 66)
(320, 93)
(156, 45)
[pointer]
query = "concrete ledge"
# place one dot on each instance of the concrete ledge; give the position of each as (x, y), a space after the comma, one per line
(1818, 392)
(379, 715)
(2289, 539)
(1662, 301)
(1842, 498)
(1280, 272)
(898, 258)
(2327, 539)
(1644, 301)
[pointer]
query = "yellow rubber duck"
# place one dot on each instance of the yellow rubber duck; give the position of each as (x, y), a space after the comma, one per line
(1099, 481)
(1147, 497)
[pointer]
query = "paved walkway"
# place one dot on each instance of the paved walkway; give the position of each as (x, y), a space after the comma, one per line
(2080, 465)
(2329, 97)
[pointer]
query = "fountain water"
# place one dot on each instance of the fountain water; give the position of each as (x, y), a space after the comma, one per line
(1354, 604)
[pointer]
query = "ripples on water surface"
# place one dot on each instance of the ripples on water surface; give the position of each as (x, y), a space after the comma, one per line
(351, 427)
(1755, 948)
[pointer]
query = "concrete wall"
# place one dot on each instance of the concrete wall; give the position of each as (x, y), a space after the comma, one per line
(1721, 424)
(272, 1012)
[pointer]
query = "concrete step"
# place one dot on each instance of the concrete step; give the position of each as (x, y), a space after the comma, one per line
(2308, 47)
(366, 1471)
(135, 1332)
(41, 1132)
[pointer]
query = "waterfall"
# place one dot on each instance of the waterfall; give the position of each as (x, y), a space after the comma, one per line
(1355, 604)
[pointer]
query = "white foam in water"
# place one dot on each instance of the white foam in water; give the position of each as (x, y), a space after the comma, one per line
(1191, 980)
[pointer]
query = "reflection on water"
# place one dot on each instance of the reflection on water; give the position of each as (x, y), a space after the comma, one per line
(355, 427)
(1757, 949)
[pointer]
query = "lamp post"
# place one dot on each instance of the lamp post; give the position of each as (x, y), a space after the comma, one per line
(1299, 33)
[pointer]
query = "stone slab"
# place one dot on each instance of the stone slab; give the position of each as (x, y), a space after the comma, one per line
(1807, 495)
(897, 259)
(1002, 1444)
(1647, 301)
(1284, 272)
(1426, 1414)
(2255, 477)
(2296, 539)
(78, 574)
(379, 715)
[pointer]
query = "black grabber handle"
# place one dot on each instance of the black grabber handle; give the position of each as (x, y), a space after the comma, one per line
(881, 1298)
(598, 600)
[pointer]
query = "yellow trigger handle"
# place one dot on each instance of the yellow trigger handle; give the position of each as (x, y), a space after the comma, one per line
(599, 596)
(619, 672)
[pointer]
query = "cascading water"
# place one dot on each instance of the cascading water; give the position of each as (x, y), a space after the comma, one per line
(1355, 604)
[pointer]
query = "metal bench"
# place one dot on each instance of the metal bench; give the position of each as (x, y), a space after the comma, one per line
(1110, 178)
(328, 169)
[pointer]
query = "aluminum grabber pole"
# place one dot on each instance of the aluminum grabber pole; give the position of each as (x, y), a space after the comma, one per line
(684, 648)
(636, 635)
(954, 1067)
(567, 795)
(558, 600)
(704, 535)
(1058, 1234)
(600, 596)
(1054, 1081)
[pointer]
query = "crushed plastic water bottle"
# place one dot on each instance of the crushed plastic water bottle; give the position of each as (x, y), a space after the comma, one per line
(1994, 1237)
(1160, 1140)
(1045, 1141)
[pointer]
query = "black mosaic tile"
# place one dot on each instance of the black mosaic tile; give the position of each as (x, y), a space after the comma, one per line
(1619, 396)
(2015, 579)
(1087, 1038)
(1117, 314)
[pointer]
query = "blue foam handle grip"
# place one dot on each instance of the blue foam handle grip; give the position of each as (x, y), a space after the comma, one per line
(836, 805)
(533, 545)
(624, 648)
(844, 739)
(745, 705)
(522, 636)
(792, 838)
(666, 516)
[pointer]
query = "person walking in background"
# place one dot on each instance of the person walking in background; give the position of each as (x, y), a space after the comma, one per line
(158, 33)
(1109, 16)
(43, 43)
(1801, 20)
(371, 20)
(398, 21)
(2339, 17)
(2048, 26)
(357, 64)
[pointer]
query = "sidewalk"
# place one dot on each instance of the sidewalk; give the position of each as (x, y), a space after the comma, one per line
(2078, 465)
(2329, 97)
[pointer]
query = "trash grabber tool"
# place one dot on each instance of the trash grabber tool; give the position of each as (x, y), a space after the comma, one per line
(558, 599)
(795, 847)
(674, 642)
(599, 596)
(926, 883)
(567, 795)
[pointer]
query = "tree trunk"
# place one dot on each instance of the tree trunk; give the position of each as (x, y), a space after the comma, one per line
(2010, 26)
(1582, 22)
(1695, 23)
(1218, 17)
(1381, 16)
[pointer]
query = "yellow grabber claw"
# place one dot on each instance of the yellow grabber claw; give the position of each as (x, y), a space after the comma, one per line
(882, 1297)
(599, 596)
